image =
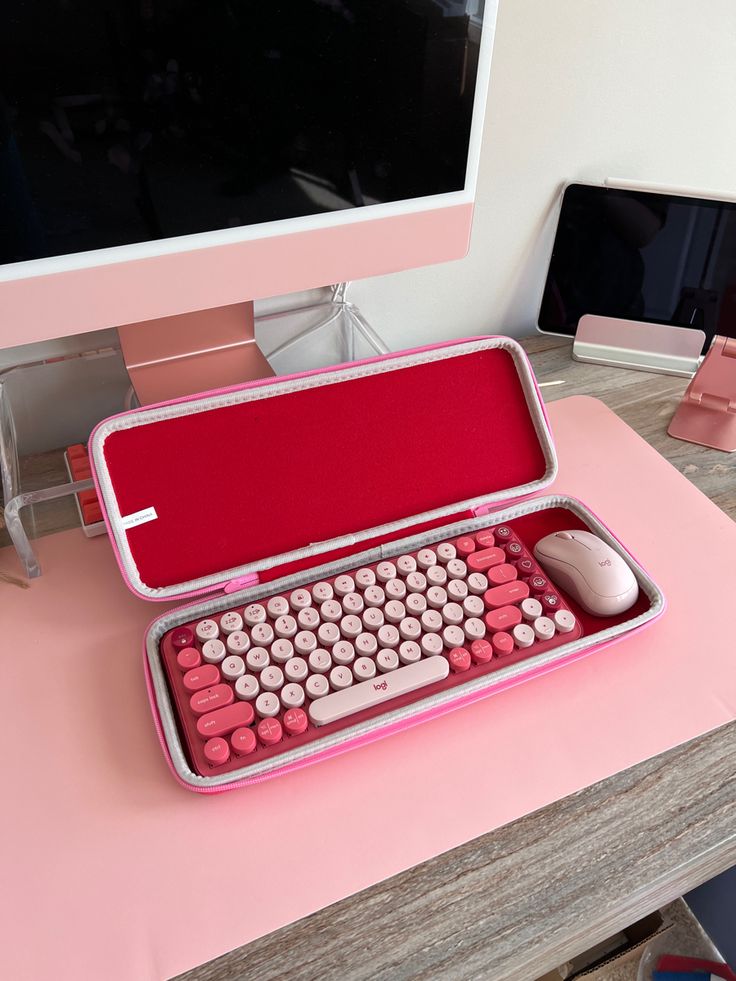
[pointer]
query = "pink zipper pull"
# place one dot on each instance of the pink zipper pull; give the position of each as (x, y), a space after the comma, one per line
(236, 584)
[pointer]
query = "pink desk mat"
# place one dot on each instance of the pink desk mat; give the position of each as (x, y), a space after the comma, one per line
(109, 869)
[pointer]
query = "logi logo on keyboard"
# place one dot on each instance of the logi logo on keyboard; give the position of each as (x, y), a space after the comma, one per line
(380, 686)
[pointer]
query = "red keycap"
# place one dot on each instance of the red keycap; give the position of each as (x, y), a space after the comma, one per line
(270, 731)
(503, 643)
(514, 549)
(538, 584)
(243, 741)
(197, 677)
(80, 468)
(481, 651)
(480, 561)
(182, 637)
(216, 751)
(189, 657)
(225, 720)
(510, 592)
(550, 601)
(500, 574)
(503, 619)
(76, 451)
(295, 721)
(504, 533)
(486, 538)
(211, 698)
(87, 497)
(459, 659)
(91, 513)
(526, 567)
(464, 546)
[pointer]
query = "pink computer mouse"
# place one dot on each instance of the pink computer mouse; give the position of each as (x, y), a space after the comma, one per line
(589, 570)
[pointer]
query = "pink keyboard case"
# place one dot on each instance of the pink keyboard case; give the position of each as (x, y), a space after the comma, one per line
(237, 494)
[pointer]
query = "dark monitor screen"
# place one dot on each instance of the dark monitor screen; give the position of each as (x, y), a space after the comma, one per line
(125, 121)
(642, 256)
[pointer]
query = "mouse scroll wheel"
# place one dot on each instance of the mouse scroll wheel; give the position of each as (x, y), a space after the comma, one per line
(564, 534)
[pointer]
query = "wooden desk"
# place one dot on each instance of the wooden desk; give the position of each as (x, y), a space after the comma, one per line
(518, 901)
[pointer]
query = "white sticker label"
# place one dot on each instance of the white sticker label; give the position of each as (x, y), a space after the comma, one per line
(138, 518)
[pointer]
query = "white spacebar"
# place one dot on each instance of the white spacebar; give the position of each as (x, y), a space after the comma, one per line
(365, 695)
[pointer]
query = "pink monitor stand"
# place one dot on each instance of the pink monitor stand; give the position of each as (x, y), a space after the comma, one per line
(707, 413)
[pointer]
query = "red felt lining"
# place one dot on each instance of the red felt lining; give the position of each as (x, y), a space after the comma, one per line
(241, 483)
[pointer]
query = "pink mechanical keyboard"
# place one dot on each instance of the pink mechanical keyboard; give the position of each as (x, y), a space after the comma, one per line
(285, 670)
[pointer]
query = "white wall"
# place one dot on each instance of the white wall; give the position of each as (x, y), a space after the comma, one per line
(580, 89)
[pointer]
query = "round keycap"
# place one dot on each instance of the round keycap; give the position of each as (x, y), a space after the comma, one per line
(388, 636)
(182, 637)
(503, 643)
(432, 621)
(406, 564)
(277, 606)
(216, 751)
(453, 637)
(305, 642)
(395, 589)
(538, 584)
(394, 611)
(485, 538)
(477, 583)
(374, 596)
(473, 606)
(351, 626)
(445, 552)
(188, 657)
(230, 622)
(299, 599)
(207, 630)
(213, 651)
(243, 741)
(257, 659)
(459, 659)
(474, 628)
(320, 661)
(341, 677)
(503, 533)
(282, 650)
(431, 644)
(328, 634)
(514, 550)
(550, 602)
(353, 603)
(295, 721)
(425, 558)
(564, 621)
(453, 613)
(262, 634)
(410, 628)
(285, 626)
(247, 688)
(364, 668)
(523, 635)
(387, 660)
(366, 644)
(296, 669)
(271, 678)
(365, 578)
(436, 575)
(270, 732)
(526, 567)
(254, 613)
(481, 651)
(372, 618)
(238, 642)
(385, 571)
(322, 591)
(409, 652)
(457, 590)
(317, 686)
(343, 652)
(544, 628)
(268, 705)
(464, 546)
(416, 603)
(457, 569)
(416, 582)
(233, 667)
(344, 585)
(308, 618)
(531, 609)
(436, 597)
(331, 611)
(292, 695)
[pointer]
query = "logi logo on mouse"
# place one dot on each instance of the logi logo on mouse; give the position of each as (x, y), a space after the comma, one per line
(605, 562)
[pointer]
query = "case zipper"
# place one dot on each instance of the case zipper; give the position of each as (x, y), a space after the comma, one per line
(237, 584)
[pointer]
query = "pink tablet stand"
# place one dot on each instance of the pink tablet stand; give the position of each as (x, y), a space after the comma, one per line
(707, 413)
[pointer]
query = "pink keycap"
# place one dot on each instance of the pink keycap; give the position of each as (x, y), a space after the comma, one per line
(188, 657)
(478, 583)
(270, 732)
(328, 634)
(453, 614)
(395, 589)
(453, 637)
(457, 590)
(409, 652)
(322, 591)
(406, 564)
(182, 637)
(485, 538)
(305, 642)
(282, 650)
(213, 651)
(243, 741)
(320, 661)
(225, 720)
(268, 705)
(296, 669)
(292, 695)
(285, 626)
(531, 609)
(410, 628)
(459, 659)
(364, 668)
(247, 687)
(374, 596)
(387, 660)
(201, 677)
(344, 585)
(351, 626)
(331, 611)
(207, 630)
(317, 685)
(544, 628)
(295, 721)
(271, 678)
(238, 642)
(426, 557)
(436, 575)
(343, 652)
(436, 597)
(216, 751)
(230, 622)
(503, 643)
(211, 698)
(481, 651)
(501, 574)
(538, 584)
(473, 606)
(388, 636)
(564, 621)
(523, 635)
(372, 618)
(277, 606)
(299, 599)
(445, 552)
(308, 618)
(233, 667)
(257, 659)
(255, 613)
(366, 644)
(385, 571)
(353, 603)
(365, 578)
(432, 621)
(431, 644)
(474, 628)
(464, 546)
(394, 611)
(504, 618)
(486, 559)
(341, 677)
(416, 582)
(262, 634)
(415, 603)
(510, 592)
(457, 569)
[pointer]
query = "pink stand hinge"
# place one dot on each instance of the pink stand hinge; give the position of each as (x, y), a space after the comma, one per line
(707, 413)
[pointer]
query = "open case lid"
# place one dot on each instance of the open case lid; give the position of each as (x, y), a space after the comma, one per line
(224, 485)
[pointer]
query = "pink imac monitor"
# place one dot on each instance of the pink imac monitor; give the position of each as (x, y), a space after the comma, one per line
(160, 158)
